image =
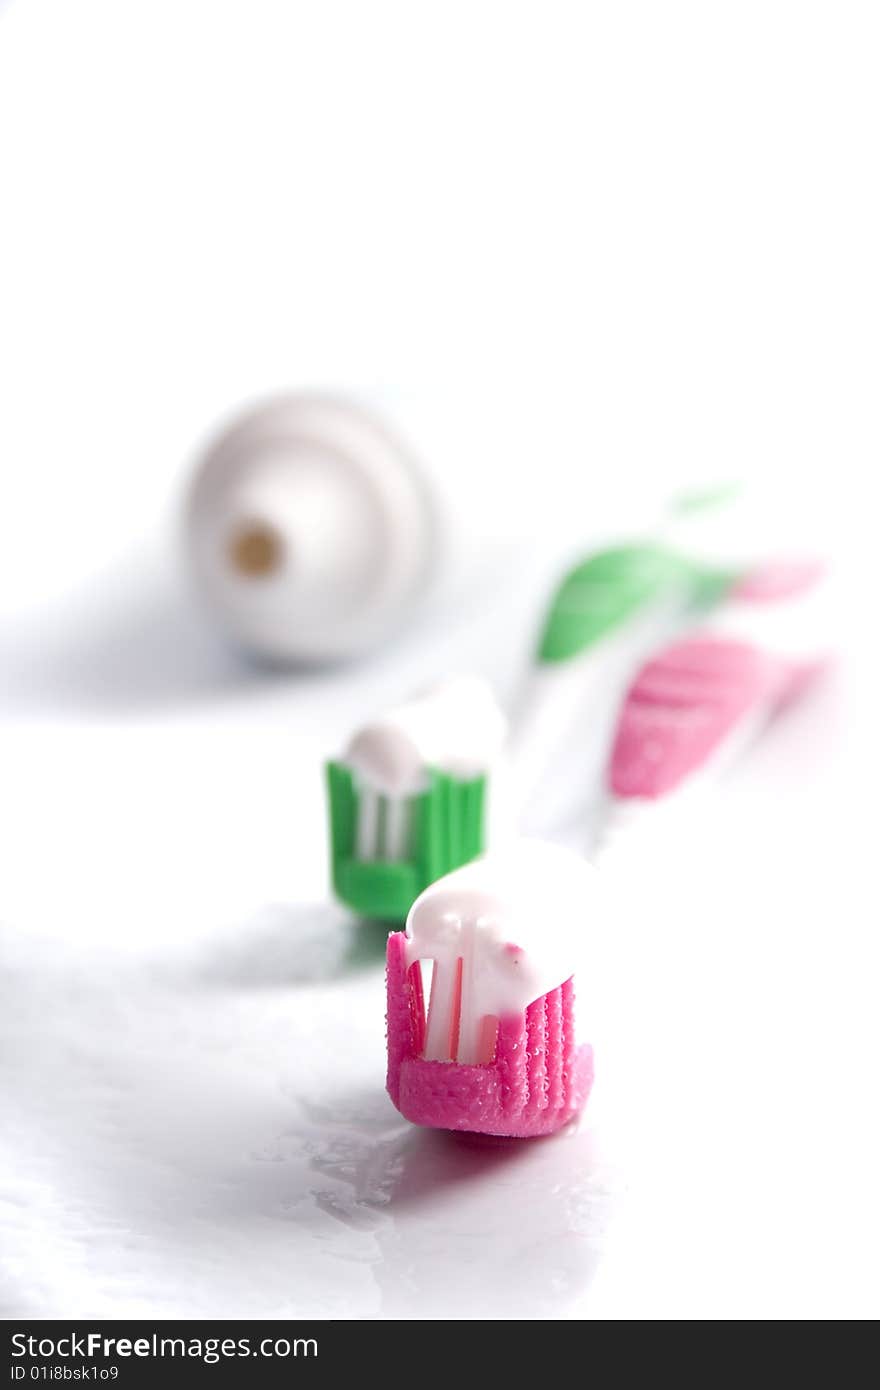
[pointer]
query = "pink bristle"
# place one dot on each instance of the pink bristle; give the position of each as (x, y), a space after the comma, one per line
(555, 1091)
(538, 1081)
(568, 1033)
(405, 1018)
(537, 1050)
(511, 1061)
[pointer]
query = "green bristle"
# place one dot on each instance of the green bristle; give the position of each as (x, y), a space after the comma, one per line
(447, 830)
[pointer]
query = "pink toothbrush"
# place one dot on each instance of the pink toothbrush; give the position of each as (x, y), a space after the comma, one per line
(694, 707)
(495, 1051)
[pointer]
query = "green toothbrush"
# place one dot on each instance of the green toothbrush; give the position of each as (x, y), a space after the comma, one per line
(409, 798)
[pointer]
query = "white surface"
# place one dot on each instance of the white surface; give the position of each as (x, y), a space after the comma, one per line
(616, 248)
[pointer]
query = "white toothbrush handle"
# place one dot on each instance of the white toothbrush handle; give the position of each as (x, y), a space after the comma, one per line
(561, 731)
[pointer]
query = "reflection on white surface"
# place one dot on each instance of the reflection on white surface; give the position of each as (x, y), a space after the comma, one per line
(182, 1144)
(193, 1115)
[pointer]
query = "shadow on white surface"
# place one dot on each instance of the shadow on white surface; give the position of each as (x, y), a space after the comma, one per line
(170, 1148)
(285, 944)
(132, 643)
(465, 1226)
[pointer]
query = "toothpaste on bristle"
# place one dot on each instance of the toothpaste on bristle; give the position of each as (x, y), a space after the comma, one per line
(456, 727)
(515, 919)
(409, 798)
(495, 1050)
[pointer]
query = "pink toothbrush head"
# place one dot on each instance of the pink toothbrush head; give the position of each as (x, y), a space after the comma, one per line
(495, 1050)
(704, 695)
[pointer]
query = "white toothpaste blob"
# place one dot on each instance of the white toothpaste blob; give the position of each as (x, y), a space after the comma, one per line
(456, 727)
(518, 920)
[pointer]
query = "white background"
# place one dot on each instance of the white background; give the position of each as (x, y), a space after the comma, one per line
(608, 249)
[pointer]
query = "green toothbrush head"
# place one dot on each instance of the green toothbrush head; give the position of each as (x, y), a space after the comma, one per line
(408, 799)
(443, 828)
